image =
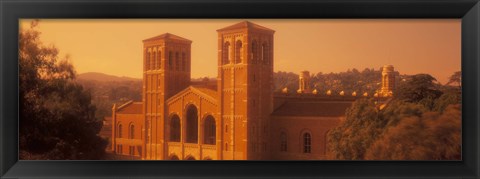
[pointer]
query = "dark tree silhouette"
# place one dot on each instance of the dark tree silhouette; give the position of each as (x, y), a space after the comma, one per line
(57, 119)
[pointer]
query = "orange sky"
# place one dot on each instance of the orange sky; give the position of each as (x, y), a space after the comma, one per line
(318, 45)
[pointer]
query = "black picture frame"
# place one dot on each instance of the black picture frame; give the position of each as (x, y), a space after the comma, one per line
(11, 11)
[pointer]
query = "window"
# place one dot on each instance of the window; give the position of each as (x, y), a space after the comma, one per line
(184, 62)
(175, 129)
(192, 124)
(177, 61)
(170, 60)
(147, 58)
(307, 145)
(119, 149)
(209, 130)
(226, 53)
(132, 132)
(131, 150)
(152, 60)
(158, 63)
(174, 157)
(283, 141)
(238, 52)
(226, 146)
(254, 52)
(119, 134)
(264, 54)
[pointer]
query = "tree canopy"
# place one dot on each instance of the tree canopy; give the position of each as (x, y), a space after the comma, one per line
(423, 122)
(57, 119)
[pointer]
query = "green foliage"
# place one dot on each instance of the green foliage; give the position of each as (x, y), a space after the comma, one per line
(397, 110)
(421, 123)
(433, 136)
(57, 118)
(455, 79)
(419, 88)
(351, 139)
(448, 98)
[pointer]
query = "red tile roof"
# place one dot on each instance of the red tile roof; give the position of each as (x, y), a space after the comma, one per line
(313, 108)
(168, 36)
(130, 108)
(245, 24)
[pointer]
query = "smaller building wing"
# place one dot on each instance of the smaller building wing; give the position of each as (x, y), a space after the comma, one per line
(130, 108)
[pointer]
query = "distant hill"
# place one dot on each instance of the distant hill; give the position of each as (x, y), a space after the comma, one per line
(101, 77)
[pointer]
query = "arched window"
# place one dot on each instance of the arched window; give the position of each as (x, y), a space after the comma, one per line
(170, 60)
(226, 146)
(147, 58)
(177, 61)
(254, 52)
(264, 54)
(190, 158)
(238, 51)
(119, 131)
(283, 141)
(174, 157)
(175, 130)
(152, 60)
(132, 132)
(158, 63)
(226, 53)
(184, 62)
(192, 124)
(307, 143)
(209, 130)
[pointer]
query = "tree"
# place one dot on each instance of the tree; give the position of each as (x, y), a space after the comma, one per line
(456, 78)
(419, 88)
(433, 136)
(57, 119)
(351, 139)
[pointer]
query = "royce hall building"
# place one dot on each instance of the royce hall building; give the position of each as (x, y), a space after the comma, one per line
(235, 117)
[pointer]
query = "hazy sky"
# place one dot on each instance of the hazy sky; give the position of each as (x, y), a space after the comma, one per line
(412, 46)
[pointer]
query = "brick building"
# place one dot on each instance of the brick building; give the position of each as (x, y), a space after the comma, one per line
(235, 117)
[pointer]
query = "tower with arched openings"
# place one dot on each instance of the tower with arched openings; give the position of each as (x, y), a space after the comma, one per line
(166, 71)
(245, 82)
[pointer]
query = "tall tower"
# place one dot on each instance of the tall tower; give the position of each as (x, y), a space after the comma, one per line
(245, 85)
(166, 71)
(388, 81)
(304, 82)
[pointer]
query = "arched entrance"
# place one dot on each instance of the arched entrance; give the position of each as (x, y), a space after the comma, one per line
(190, 158)
(209, 130)
(192, 124)
(175, 130)
(174, 157)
